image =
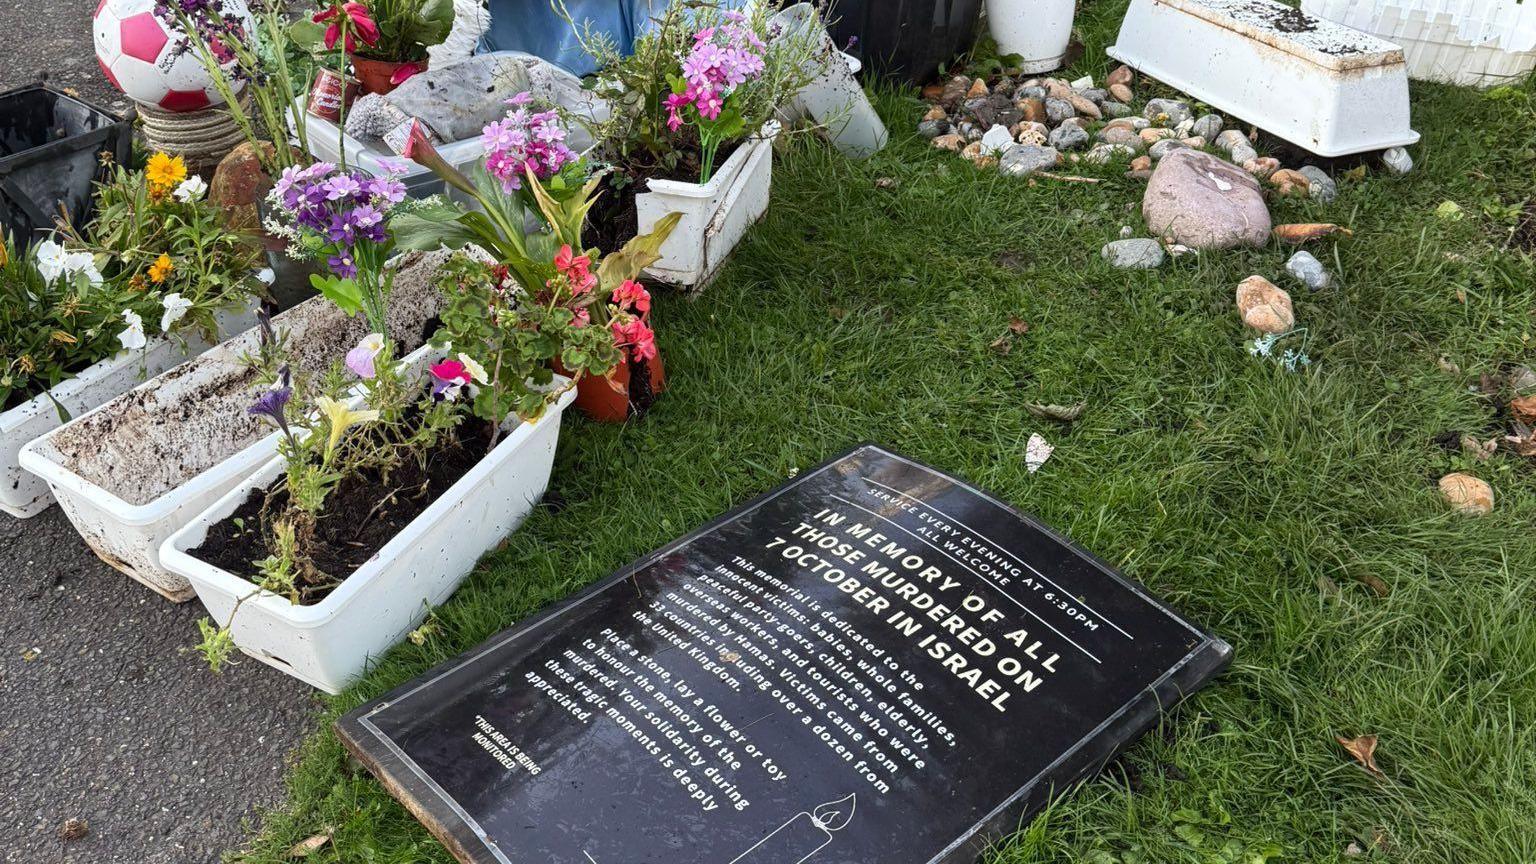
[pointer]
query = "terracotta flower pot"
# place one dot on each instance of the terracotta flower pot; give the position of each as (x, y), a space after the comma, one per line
(599, 399)
(383, 76)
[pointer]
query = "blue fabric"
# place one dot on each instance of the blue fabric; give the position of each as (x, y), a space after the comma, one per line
(533, 26)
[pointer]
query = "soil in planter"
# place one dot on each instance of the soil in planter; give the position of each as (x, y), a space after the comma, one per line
(616, 219)
(362, 514)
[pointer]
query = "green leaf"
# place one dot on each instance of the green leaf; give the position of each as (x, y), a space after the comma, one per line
(345, 293)
(640, 252)
(307, 34)
(1189, 834)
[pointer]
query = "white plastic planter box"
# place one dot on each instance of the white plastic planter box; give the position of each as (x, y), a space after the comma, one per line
(1323, 87)
(329, 644)
(136, 469)
(24, 495)
(835, 98)
(1478, 43)
(1036, 30)
(328, 142)
(715, 214)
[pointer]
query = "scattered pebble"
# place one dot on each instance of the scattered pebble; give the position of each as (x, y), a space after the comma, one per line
(1121, 75)
(1153, 135)
(1321, 186)
(1310, 271)
(933, 128)
(1162, 148)
(950, 142)
(996, 140)
(978, 155)
(1289, 182)
(1168, 112)
(1264, 306)
(1112, 108)
(1057, 110)
(1083, 83)
(1121, 93)
(1103, 154)
(1467, 494)
(1208, 126)
(1021, 160)
(1262, 167)
(1134, 254)
(1068, 136)
(1397, 160)
(1118, 135)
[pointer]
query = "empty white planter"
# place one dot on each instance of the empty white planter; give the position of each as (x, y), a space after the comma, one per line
(1036, 30)
(1323, 87)
(715, 214)
(134, 470)
(1477, 43)
(835, 98)
(23, 494)
(329, 644)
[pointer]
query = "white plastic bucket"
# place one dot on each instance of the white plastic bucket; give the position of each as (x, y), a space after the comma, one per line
(329, 644)
(715, 214)
(1478, 43)
(1036, 30)
(23, 494)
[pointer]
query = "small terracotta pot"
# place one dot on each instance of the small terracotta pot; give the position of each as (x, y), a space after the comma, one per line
(379, 76)
(597, 398)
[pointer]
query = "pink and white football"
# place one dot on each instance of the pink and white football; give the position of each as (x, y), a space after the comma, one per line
(149, 59)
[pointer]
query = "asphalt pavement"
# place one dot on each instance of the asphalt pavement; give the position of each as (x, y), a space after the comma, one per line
(105, 715)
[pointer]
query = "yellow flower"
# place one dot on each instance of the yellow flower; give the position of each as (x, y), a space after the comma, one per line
(63, 338)
(5, 257)
(165, 171)
(161, 268)
(341, 418)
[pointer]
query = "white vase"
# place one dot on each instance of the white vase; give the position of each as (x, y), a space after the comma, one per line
(1477, 43)
(134, 470)
(332, 642)
(1321, 86)
(25, 495)
(1036, 30)
(715, 215)
(834, 98)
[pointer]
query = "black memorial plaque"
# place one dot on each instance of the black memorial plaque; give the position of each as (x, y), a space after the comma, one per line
(873, 663)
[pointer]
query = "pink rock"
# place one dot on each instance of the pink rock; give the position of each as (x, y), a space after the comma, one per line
(1203, 202)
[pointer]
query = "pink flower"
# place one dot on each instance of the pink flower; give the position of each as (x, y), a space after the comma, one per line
(449, 378)
(636, 339)
(359, 20)
(632, 297)
(577, 269)
(582, 319)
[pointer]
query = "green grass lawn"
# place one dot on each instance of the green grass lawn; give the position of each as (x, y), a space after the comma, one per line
(1294, 514)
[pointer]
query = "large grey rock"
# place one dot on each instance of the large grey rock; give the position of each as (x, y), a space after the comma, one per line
(1207, 127)
(931, 129)
(1200, 201)
(1021, 160)
(1058, 110)
(457, 101)
(1134, 254)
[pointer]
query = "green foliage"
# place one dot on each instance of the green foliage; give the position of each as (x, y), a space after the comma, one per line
(407, 28)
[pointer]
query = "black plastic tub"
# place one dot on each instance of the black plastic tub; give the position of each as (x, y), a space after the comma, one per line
(49, 146)
(906, 40)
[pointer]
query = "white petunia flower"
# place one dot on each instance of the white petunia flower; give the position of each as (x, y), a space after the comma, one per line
(191, 189)
(475, 370)
(132, 337)
(83, 262)
(50, 258)
(175, 307)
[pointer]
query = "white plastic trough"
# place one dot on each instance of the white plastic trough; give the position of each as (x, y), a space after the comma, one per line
(1477, 43)
(134, 470)
(1323, 87)
(329, 644)
(25, 495)
(834, 98)
(715, 214)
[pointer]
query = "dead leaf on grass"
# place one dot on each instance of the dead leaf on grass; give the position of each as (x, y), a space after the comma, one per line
(1377, 585)
(1479, 450)
(1524, 408)
(1018, 325)
(1356, 173)
(1363, 749)
(1447, 365)
(1523, 441)
(887, 183)
(1298, 233)
(309, 845)
(1059, 413)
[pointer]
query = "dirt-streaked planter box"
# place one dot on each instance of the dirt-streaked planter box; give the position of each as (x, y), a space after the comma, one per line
(25, 495)
(715, 214)
(1344, 91)
(330, 643)
(133, 471)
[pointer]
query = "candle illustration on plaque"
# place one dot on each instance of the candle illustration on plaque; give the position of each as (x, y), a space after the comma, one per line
(805, 834)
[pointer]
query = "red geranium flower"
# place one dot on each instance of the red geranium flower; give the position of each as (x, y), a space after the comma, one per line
(361, 23)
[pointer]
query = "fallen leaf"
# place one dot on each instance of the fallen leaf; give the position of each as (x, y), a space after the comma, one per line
(1002, 344)
(1447, 366)
(1377, 585)
(303, 848)
(1479, 450)
(1450, 211)
(1327, 587)
(1059, 413)
(1036, 452)
(887, 183)
(31, 654)
(1523, 441)
(1356, 173)
(1363, 749)
(1297, 233)
(1018, 325)
(1521, 378)
(74, 829)
(1353, 850)
(1524, 408)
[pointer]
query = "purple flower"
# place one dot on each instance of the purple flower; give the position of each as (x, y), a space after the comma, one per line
(360, 359)
(271, 402)
(525, 141)
(343, 266)
(342, 186)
